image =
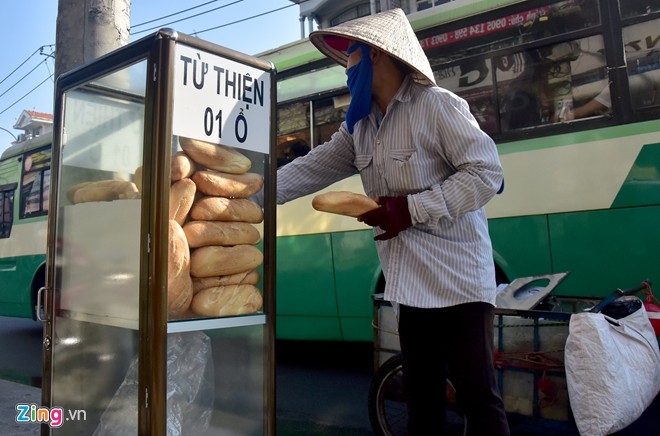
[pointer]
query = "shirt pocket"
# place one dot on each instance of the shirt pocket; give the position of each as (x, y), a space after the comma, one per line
(402, 156)
(402, 170)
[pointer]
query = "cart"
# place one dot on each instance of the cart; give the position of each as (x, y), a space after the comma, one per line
(529, 360)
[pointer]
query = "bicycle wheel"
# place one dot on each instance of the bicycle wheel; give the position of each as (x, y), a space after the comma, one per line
(387, 410)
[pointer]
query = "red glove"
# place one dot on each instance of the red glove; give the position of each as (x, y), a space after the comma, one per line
(392, 216)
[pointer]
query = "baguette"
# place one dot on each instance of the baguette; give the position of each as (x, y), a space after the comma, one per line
(179, 281)
(244, 278)
(181, 166)
(215, 156)
(228, 185)
(137, 178)
(182, 195)
(202, 233)
(343, 203)
(101, 190)
(214, 260)
(227, 300)
(226, 209)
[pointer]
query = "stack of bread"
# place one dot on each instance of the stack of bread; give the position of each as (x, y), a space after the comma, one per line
(212, 253)
(213, 257)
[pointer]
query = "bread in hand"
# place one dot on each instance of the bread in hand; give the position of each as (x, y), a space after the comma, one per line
(343, 203)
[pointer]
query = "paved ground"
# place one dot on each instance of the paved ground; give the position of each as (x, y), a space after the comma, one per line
(12, 394)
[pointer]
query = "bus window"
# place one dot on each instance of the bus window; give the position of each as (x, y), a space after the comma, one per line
(524, 95)
(35, 183)
(291, 149)
(292, 131)
(328, 115)
(293, 121)
(642, 44)
(589, 82)
(511, 90)
(6, 209)
(473, 82)
(635, 8)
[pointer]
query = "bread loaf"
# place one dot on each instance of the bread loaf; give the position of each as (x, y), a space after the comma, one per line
(244, 278)
(101, 190)
(181, 166)
(227, 300)
(214, 260)
(226, 209)
(90, 194)
(228, 185)
(202, 233)
(182, 195)
(179, 281)
(343, 203)
(215, 156)
(137, 178)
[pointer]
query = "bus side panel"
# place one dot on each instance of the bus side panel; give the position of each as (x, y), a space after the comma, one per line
(16, 276)
(521, 245)
(305, 286)
(606, 249)
(642, 185)
(357, 269)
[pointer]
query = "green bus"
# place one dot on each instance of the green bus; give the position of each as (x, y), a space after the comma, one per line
(24, 195)
(582, 189)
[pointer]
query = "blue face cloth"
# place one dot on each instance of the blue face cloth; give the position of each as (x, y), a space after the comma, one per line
(360, 78)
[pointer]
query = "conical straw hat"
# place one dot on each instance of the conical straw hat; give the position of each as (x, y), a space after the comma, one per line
(389, 31)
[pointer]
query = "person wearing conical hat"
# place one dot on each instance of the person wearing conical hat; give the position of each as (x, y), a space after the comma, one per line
(421, 154)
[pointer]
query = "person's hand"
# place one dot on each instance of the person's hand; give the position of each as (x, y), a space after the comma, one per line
(392, 216)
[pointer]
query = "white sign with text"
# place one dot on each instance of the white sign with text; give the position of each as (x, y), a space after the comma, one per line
(220, 100)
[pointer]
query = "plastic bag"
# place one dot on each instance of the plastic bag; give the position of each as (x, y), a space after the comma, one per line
(612, 370)
(190, 390)
(622, 307)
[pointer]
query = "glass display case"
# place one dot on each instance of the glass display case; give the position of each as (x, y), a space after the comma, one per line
(160, 283)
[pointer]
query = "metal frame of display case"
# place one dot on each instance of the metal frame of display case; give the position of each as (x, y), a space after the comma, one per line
(158, 50)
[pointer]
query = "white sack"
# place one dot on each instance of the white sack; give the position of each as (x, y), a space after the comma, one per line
(612, 370)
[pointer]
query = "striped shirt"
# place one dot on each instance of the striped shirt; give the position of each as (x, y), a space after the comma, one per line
(430, 148)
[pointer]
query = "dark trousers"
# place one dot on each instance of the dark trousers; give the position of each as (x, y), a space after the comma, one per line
(456, 343)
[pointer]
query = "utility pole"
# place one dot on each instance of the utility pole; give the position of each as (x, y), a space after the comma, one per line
(87, 29)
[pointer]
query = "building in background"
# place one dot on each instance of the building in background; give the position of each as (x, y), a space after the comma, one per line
(319, 14)
(33, 124)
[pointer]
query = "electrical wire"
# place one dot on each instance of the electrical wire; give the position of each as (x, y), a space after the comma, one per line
(22, 63)
(175, 13)
(245, 19)
(185, 18)
(28, 93)
(22, 78)
(143, 31)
